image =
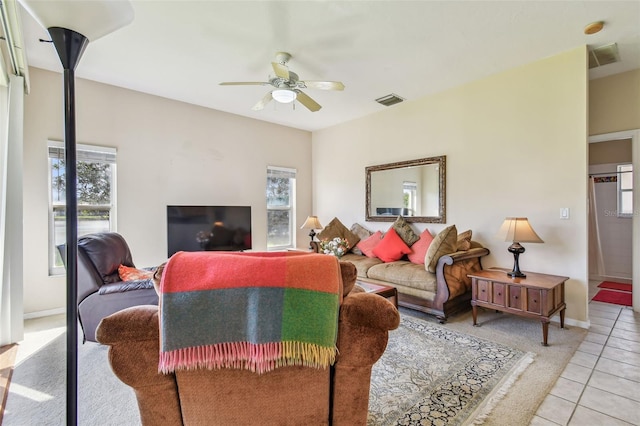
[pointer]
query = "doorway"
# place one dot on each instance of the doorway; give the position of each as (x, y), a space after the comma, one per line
(613, 246)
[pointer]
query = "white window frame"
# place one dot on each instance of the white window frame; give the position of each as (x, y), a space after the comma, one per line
(625, 209)
(411, 190)
(83, 152)
(292, 174)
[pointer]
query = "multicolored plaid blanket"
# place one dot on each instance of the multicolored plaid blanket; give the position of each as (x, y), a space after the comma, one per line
(254, 311)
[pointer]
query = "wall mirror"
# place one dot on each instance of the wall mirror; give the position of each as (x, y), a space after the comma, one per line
(414, 189)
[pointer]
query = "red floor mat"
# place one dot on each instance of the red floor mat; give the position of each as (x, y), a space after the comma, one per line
(615, 286)
(615, 297)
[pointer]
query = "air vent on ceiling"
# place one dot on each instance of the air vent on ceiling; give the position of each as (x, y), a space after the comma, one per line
(603, 55)
(389, 100)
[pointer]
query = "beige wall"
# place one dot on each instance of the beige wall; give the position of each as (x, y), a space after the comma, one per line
(614, 103)
(516, 145)
(168, 153)
(609, 152)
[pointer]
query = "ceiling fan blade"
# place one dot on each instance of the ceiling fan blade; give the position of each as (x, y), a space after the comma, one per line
(244, 83)
(305, 100)
(281, 70)
(324, 85)
(264, 101)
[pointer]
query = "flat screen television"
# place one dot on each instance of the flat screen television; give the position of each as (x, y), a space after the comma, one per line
(208, 228)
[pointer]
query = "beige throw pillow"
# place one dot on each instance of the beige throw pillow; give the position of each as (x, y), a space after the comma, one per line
(464, 240)
(360, 232)
(335, 228)
(445, 242)
(404, 231)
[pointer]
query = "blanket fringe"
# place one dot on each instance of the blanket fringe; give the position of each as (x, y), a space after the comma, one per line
(258, 358)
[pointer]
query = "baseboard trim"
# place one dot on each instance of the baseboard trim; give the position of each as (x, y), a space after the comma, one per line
(623, 280)
(576, 323)
(48, 312)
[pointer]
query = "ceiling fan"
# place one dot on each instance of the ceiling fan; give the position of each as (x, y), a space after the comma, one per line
(287, 86)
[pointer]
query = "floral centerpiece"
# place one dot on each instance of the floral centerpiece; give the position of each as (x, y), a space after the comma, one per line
(336, 247)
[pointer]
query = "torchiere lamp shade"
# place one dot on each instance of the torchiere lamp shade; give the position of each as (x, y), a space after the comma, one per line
(517, 230)
(93, 19)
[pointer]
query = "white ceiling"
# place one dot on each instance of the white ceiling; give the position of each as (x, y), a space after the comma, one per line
(183, 49)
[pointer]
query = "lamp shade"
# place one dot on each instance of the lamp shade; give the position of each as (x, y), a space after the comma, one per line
(518, 229)
(93, 19)
(312, 222)
(284, 96)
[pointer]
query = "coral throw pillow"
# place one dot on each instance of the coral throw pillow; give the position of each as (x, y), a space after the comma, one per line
(129, 273)
(366, 246)
(420, 247)
(391, 247)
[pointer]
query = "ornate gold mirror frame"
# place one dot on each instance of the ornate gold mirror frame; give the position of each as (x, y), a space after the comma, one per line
(415, 189)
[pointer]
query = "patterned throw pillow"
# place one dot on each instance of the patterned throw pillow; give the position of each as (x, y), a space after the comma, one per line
(445, 242)
(404, 231)
(391, 248)
(464, 240)
(420, 247)
(362, 233)
(366, 246)
(335, 228)
(129, 273)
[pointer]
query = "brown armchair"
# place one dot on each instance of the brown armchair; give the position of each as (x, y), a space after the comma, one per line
(292, 395)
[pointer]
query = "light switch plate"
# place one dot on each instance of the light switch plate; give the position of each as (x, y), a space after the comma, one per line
(564, 213)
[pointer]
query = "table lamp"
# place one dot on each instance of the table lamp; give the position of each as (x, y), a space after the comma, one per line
(517, 230)
(311, 223)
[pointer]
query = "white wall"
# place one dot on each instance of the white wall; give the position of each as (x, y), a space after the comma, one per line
(168, 153)
(516, 145)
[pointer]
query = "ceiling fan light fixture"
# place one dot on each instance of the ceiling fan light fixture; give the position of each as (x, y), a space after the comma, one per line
(284, 96)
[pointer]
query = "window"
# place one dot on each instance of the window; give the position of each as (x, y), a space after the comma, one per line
(96, 195)
(625, 190)
(410, 191)
(281, 203)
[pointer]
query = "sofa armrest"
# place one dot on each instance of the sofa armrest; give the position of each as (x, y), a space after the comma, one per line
(133, 337)
(124, 286)
(451, 270)
(365, 321)
(117, 329)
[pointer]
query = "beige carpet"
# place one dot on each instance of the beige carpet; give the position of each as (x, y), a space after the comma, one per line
(521, 402)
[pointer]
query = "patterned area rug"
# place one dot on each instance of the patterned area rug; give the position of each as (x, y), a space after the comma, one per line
(430, 375)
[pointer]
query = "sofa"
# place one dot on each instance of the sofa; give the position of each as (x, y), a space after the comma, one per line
(108, 280)
(429, 272)
(287, 395)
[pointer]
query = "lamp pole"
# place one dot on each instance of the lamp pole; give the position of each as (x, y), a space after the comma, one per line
(70, 46)
(92, 20)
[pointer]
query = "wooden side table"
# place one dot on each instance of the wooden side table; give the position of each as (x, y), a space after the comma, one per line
(536, 296)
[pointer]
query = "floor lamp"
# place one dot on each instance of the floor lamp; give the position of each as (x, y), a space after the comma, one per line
(71, 25)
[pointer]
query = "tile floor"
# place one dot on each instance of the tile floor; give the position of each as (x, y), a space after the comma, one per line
(601, 383)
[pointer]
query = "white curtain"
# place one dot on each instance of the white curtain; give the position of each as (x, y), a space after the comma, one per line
(596, 261)
(11, 257)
